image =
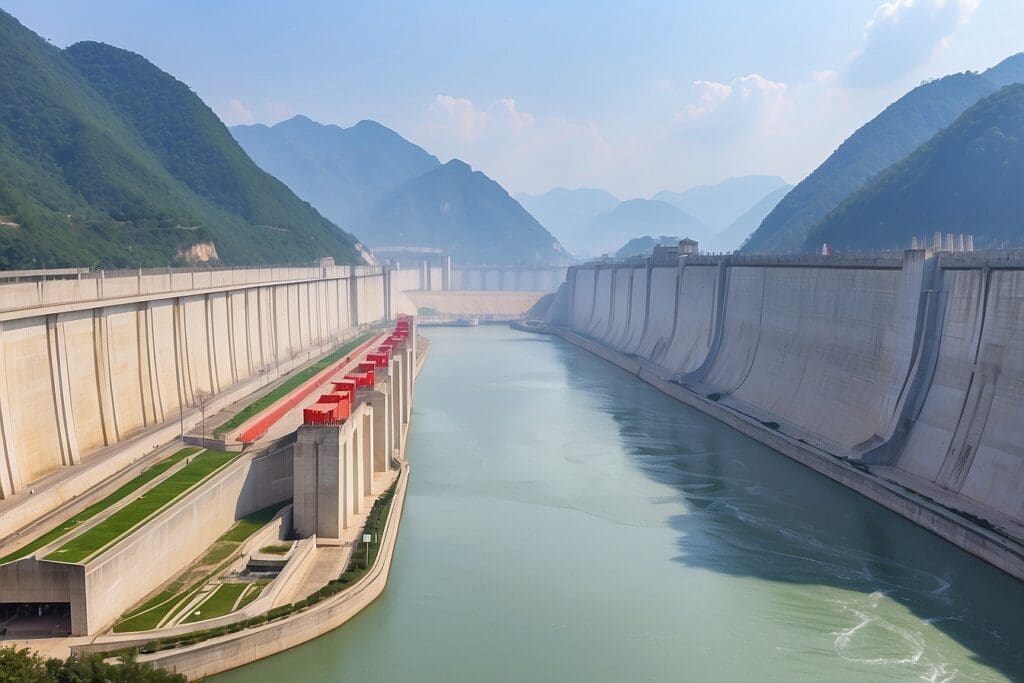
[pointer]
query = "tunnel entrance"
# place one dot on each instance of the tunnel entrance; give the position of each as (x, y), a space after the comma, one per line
(34, 619)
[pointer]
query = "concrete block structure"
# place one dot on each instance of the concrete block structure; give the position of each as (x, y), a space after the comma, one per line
(334, 462)
(101, 368)
(329, 466)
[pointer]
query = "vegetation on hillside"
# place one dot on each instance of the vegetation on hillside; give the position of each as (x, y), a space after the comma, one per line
(106, 161)
(968, 179)
(887, 138)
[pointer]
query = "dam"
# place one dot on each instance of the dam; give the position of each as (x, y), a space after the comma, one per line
(899, 375)
(635, 538)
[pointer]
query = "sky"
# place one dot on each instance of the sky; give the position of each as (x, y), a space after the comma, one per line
(632, 97)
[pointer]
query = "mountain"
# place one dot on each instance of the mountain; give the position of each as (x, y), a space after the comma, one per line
(568, 214)
(639, 217)
(717, 206)
(341, 171)
(463, 212)
(968, 178)
(107, 161)
(1007, 72)
(884, 140)
(643, 246)
(733, 237)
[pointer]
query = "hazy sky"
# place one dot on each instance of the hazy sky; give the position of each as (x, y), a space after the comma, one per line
(632, 97)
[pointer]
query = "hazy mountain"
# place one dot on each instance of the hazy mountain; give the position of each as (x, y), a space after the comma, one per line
(107, 161)
(884, 140)
(968, 178)
(568, 214)
(643, 246)
(341, 171)
(463, 212)
(718, 206)
(643, 216)
(733, 237)
(1008, 71)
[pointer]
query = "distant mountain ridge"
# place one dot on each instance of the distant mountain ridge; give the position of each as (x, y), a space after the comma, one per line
(105, 160)
(569, 213)
(735, 236)
(968, 178)
(643, 217)
(644, 246)
(463, 212)
(888, 138)
(718, 206)
(341, 171)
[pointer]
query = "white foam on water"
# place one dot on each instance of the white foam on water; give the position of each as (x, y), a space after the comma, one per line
(846, 640)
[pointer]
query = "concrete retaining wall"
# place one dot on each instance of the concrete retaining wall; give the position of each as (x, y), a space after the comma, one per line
(88, 363)
(921, 357)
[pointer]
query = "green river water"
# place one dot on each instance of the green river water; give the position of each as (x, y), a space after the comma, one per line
(567, 522)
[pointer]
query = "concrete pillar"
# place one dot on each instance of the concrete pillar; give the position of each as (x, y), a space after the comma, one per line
(317, 470)
(368, 431)
(397, 397)
(446, 273)
(108, 409)
(156, 396)
(353, 298)
(10, 471)
(382, 430)
(349, 505)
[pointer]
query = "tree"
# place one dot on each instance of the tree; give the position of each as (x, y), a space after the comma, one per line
(25, 666)
(200, 399)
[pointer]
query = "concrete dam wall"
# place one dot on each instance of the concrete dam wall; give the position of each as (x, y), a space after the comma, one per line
(92, 360)
(909, 366)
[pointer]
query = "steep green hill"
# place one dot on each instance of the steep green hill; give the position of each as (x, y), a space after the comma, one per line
(107, 161)
(643, 216)
(341, 171)
(968, 178)
(884, 140)
(464, 212)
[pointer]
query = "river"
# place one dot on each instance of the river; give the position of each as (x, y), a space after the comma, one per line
(567, 522)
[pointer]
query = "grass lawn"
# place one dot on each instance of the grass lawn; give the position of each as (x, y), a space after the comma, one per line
(148, 615)
(219, 603)
(257, 590)
(143, 507)
(147, 475)
(275, 549)
(293, 382)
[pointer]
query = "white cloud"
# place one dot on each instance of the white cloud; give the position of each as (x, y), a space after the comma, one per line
(237, 113)
(744, 104)
(517, 148)
(902, 35)
(825, 76)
